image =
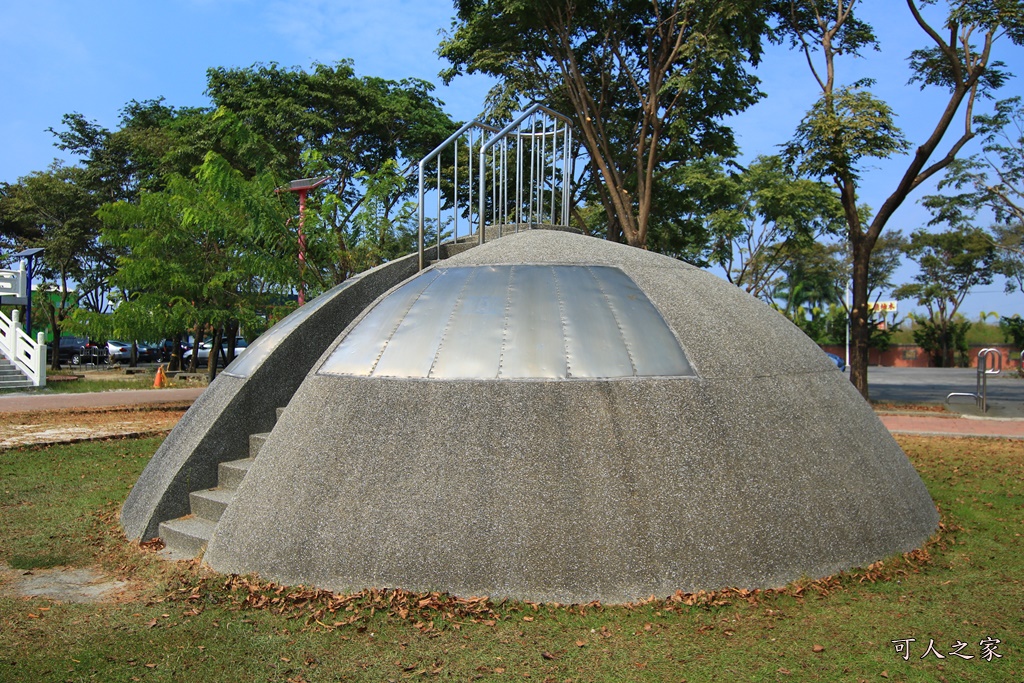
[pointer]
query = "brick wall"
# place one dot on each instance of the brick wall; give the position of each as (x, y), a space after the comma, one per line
(912, 356)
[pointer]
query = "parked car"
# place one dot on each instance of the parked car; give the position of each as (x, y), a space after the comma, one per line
(840, 363)
(147, 353)
(121, 352)
(78, 351)
(165, 348)
(118, 351)
(203, 351)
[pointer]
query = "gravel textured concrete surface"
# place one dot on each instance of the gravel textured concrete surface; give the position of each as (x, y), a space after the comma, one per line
(765, 467)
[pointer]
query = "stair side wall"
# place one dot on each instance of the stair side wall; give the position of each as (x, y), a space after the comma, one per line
(218, 425)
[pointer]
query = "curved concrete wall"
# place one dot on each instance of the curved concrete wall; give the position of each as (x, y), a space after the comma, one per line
(765, 467)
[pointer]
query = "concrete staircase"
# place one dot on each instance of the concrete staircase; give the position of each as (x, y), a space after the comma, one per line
(11, 377)
(186, 537)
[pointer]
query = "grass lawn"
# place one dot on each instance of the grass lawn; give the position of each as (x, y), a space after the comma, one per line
(178, 622)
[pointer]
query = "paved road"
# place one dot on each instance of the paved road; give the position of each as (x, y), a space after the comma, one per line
(932, 385)
(18, 403)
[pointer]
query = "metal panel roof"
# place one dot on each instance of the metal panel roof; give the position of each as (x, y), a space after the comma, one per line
(512, 322)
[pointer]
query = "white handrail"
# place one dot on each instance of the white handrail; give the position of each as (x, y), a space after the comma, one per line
(28, 355)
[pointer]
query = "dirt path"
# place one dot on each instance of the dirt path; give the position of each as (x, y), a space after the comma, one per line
(31, 427)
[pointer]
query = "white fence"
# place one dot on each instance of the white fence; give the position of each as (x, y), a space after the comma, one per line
(27, 355)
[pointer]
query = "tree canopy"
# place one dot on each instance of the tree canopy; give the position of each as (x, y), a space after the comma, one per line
(647, 82)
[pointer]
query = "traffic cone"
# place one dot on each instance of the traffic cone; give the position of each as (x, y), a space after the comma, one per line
(161, 379)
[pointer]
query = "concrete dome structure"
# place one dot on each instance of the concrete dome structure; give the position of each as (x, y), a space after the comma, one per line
(554, 417)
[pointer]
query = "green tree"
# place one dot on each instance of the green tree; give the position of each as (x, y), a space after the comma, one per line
(54, 209)
(993, 181)
(648, 83)
(381, 228)
(202, 254)
(761, 217)
(848, 126)
(951, 263)
(353, 124)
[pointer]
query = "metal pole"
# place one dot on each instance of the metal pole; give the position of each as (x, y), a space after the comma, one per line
(532, 169)
(554, 159)
(420, 212)
(29, 269)
(848, 305)
(302, 247)
(519, 179)
(455, 237)
(567, 173)
(438, 254)
(504, 186)
(469, 159)
(480, 200)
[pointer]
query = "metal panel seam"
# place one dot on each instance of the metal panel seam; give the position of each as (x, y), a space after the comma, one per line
(451, 316)
(618, 323)
(399, 322)
(562, 320)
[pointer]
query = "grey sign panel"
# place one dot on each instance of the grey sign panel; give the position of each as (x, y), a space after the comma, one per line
(512, 322)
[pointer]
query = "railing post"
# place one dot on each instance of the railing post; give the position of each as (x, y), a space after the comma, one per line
(420, 216)
(12, 334)
(40, 360)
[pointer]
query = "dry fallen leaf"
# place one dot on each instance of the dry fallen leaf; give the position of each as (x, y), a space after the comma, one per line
(548, 655)
(818, 648)
(527, 618)
(581, 643)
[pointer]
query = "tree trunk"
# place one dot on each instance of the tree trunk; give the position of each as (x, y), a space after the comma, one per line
(51, 315)
(174, 362)
(231, 331)
(860, 331)
(193, 362)
(211, 361)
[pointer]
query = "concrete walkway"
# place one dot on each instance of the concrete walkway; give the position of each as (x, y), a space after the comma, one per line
(19, 403)
(951, 425)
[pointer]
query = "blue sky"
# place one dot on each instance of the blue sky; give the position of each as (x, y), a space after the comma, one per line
(66, 56)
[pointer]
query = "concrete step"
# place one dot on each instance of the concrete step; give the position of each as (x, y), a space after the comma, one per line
(210, 503)
(230, 474)
(187, 536)
(256, 442)
(14, 383)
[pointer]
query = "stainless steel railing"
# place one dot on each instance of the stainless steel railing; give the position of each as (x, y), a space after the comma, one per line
(522, 176)
(990, 362)
(471, 136)
(542, 138)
